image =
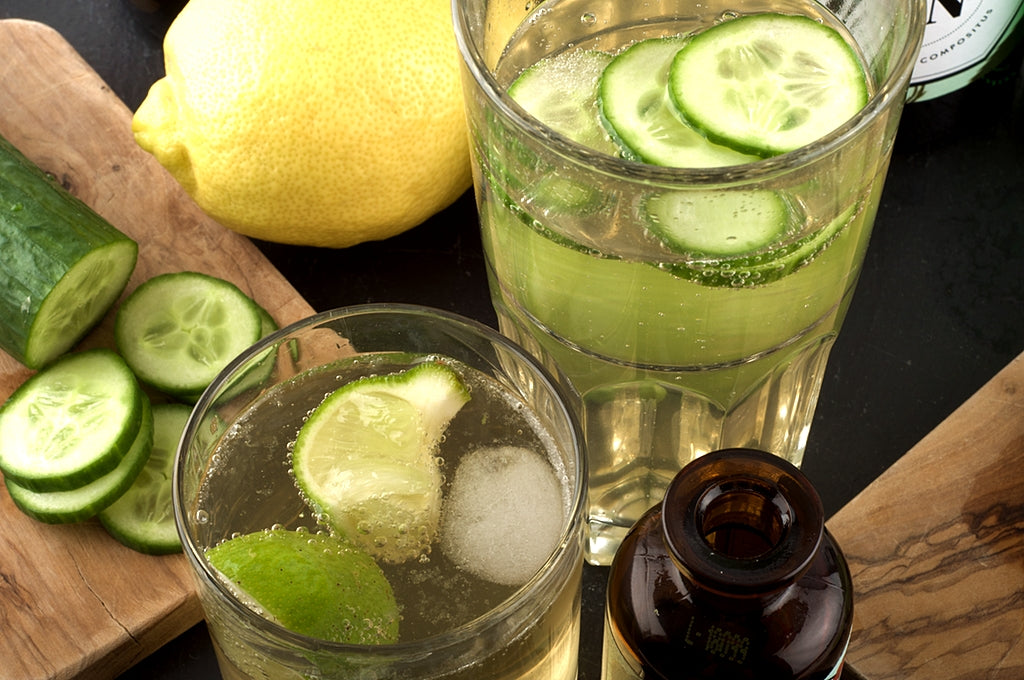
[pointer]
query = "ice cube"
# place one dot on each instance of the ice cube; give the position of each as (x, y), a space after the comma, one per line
(504, 514)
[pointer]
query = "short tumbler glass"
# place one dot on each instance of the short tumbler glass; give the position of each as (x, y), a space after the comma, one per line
(227, 485)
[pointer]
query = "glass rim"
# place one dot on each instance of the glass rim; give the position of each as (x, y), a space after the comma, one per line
(519, 599)
(892, 90)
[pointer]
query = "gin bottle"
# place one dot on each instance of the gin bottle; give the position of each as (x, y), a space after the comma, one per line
(963, 40)
(733, 576)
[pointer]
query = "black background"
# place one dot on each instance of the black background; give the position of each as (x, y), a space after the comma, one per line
(938, 311)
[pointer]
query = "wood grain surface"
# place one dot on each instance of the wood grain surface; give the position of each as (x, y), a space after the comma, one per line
(936, 544)
(936, 548)
(73, 602)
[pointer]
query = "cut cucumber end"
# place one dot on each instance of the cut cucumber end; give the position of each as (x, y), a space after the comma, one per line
(79, 301)
(62, 265)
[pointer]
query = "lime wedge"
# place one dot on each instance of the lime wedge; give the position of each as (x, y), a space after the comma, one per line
(767, 83)
(313, 584)
(365, 459)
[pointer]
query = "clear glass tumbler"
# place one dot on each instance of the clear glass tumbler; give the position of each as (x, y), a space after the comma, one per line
(232, 477)
(669, 355)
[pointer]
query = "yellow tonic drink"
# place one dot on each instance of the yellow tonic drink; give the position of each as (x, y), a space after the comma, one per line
(679, 247)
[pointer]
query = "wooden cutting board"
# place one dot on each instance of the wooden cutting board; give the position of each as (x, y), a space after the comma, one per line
(936, 548)
(936, 544)
(73, 602)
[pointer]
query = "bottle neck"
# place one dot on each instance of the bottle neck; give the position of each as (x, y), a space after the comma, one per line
(742, 524)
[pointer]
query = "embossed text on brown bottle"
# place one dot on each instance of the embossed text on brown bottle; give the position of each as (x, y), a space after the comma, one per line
(732, 577)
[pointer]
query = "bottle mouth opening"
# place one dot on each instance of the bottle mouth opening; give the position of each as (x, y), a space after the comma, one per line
(743, 521)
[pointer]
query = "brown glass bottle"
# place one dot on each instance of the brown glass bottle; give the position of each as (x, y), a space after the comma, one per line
(733, 577)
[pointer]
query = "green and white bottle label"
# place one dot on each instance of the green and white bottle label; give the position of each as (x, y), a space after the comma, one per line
(962, 39)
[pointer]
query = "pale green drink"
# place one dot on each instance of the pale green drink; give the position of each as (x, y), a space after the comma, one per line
(671, 354)
(495, 593)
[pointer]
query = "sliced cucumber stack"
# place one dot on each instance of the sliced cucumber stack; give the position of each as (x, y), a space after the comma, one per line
(635, 106)
(71, 423)
(768, 83)
(143, 517)
(81, 503)
(746, 88)
(81, 439)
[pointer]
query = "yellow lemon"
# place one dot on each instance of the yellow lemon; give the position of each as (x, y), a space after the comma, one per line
(311, 122)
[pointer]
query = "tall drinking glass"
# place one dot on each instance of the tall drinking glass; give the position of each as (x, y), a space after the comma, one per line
(671, 354)
(497, 594)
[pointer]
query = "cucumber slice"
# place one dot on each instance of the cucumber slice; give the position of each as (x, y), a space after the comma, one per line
(766, 266)
(635, 107)
(267, 323)
(767, 83)
(71, 423)
(178, 331)
(79, 504)
(62, 266)
(718, 223)
(257, 372)
(143, 517)
(555, 195)
(561, 92)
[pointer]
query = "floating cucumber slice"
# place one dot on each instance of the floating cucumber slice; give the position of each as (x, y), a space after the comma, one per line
(635, 106)
(767, 83)
(771, 264)
(561, 92)
(718, 223)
